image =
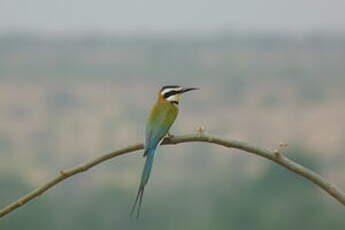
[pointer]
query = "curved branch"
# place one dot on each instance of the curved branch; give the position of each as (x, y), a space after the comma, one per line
(276, 157)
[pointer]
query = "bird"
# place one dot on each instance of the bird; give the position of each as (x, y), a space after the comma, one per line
(162, 116)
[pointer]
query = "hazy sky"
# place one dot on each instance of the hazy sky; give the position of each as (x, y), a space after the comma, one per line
(163, 15)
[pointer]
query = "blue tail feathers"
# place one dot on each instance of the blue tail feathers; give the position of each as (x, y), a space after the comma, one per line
(147, 168)
(144, 179)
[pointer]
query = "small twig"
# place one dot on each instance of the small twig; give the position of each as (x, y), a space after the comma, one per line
(281, 160)
(201, 130)
(278, 152)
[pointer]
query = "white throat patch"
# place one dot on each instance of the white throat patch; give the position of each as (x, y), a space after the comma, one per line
(175, 97)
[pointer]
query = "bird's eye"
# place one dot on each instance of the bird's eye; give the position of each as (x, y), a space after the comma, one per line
(170, 93)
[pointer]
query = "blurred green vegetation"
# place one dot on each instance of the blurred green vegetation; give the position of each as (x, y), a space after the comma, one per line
(275, 199)
(248, 58)
(206, 196)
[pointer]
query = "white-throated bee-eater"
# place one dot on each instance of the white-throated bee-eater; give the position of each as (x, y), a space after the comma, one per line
(162, 116)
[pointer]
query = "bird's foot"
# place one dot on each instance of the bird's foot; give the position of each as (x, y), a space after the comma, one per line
(169, 136)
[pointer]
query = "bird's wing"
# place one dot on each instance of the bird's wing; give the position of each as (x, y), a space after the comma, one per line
(158, 126)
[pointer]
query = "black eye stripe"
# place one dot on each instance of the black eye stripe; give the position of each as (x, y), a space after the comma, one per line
(170, 93)
(170, 86)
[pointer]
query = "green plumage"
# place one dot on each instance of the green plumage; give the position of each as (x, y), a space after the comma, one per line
(162, 116)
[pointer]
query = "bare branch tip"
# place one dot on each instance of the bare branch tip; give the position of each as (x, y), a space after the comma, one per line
(63, 173)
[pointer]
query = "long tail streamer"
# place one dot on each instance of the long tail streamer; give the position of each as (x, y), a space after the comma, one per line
(144, 179)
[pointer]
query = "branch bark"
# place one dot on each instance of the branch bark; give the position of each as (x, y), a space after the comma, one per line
(275, 156)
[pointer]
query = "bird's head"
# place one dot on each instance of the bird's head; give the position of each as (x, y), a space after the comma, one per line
(172, 93)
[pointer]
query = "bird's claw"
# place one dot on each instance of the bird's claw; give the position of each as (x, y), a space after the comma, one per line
(169, 135)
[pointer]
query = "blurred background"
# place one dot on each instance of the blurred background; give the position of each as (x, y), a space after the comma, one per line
(78, 78)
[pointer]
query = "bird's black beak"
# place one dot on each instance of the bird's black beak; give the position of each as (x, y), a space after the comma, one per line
(188, 89)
